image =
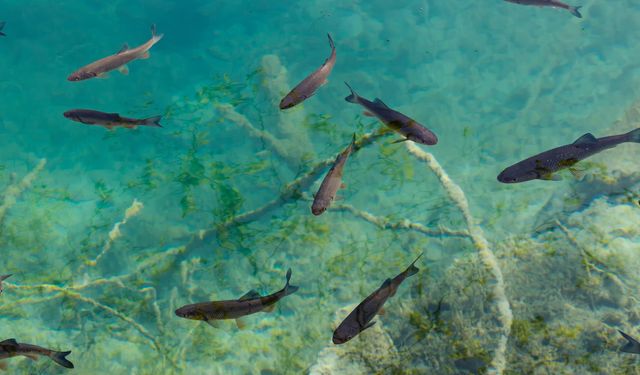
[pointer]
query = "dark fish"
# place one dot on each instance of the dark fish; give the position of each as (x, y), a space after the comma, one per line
(542, 166)
(305, 89)
(632, 346)
(575, 10)
(118, 61)
(2, 27)
(360, 318)
(331, 182)
(110, 120)
(3, 278)
(409, 128)
(251, 303)
(11, 348)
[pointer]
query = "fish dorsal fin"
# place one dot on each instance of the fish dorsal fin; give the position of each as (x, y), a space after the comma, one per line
(586, 140)
(250, 295)
(386, 284)
(9, 342)
(380, 103)
(124, 48)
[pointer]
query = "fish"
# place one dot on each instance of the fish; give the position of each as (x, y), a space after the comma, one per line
(407, 127)
(331, 182)
(575, 10)
(632, 346)
(250, 303)
(361, 317)
(543, 166)
(2, 27)
(110, 120)
(11, 348)
(3, 278)
(308, 87)
(118, 61)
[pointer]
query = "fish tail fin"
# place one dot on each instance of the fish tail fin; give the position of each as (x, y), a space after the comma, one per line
(575, 11)
(154, 34)
(2, 27)
(331, 44)
(632, 346)
(412, 269)
(353, 98)
(153, 121)
(289, 289)
(60, 358)
(634, 135)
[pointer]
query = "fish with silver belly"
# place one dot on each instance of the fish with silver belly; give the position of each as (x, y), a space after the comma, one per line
(361, 317)
(407, 127)
(575, 10)
(331, 182)
(544, 165)
(305, 89)
(3, 278)
(252, 302)
(118, 61)
(110, 120)
(11, 348)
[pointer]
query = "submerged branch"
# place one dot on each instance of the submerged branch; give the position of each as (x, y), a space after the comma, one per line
(455, 193)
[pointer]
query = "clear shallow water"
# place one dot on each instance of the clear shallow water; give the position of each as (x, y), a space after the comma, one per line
(497, 82)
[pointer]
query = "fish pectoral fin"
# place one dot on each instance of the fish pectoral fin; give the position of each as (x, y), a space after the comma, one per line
(250, 295)
(343, 186)
(32, 357)
(269, 308)
(124, 70)
(125, 47)
(144, 56)
(371, 324)
(577, 173)
(110, 127)
(368, 114)
(212, 323)
(130, 126)
(382, 311)
(3, 366)
(550, 177)
(400, 140)
(241, 323)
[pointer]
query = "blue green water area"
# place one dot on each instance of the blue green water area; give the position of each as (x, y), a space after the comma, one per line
(496, 81)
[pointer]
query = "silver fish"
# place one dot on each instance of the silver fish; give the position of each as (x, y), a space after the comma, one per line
(118, 61)
(11, 348)
(251, 303)
(3, 278)
(305, 89)
(632, 345)
(543, 166)
(361, 317)
(575, 10)
(110, 120)
(409, 128)
(331, 182)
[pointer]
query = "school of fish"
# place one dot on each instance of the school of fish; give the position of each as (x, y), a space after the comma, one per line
(543, 166)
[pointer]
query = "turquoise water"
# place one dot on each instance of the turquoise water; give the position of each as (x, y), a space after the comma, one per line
(497, 82)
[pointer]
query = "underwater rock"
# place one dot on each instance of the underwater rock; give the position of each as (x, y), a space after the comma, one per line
(372, 351)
